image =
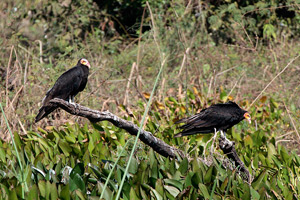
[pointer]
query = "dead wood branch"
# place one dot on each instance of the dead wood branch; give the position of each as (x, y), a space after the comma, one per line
(228, 149)
(95, 116)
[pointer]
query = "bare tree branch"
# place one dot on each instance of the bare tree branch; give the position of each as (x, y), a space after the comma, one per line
(95, 116)
(228, 149)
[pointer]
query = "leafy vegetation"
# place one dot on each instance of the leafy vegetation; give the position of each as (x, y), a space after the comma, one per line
(212, 52)
(74, 162)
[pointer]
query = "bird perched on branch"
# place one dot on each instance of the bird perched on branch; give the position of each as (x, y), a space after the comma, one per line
(218, 117)
(66, 87)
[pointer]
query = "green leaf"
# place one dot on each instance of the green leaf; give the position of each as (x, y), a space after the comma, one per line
(258, 180)
(76, 182)
(133, 167)
(183, 166)
(133, 195)
(156, 194)
(42, 188)
(159, 187)
(53, 191)
(18, 140)
(12, 195)
(271, 150)
(248, 141)
(65, 147)
(246, 191)
(175, 183)
(71, 139)
(188, 179)
(196, 179)
(204, 191)
(78, 169)
(2, 155)
(33, 193)
(172, 190)
(107, 193)
(254, 194)
(208, 175)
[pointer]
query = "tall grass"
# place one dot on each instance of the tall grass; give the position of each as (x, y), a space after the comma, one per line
(19, 174)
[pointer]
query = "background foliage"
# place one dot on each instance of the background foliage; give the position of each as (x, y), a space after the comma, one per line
(215, 51)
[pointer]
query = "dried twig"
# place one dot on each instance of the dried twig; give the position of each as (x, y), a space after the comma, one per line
(292, 121)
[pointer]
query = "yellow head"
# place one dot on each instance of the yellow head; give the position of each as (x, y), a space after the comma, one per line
(248, 117)
(85, 62)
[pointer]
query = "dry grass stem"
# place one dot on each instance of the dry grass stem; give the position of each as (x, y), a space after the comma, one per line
(292, 121)
(41, 50)
(125, 102)
(183, 61)
(274, 79)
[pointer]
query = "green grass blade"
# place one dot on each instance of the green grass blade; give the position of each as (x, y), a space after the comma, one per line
(141, 125)
(23, 181)
(112, 170)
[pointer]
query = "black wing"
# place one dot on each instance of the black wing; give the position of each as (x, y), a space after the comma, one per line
(218, 116)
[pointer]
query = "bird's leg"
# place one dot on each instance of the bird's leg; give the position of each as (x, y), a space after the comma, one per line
(223, 136)
(71, 101)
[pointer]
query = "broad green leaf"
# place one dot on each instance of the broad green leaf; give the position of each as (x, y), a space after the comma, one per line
(133, 167)
(18, 140)
(33, 193)
(188, 179)
(224, 184)
(53, 192)
(76, 182)
(133, 195)
(42, 188)
(248, 141)
(107, 193)
(12, 195)
(80, 194)
(78, 169)
(204, 191)
(70, 139)
(172, 190)
(65, 147)
(271, 150)
(159, 187)
(156, 194)
(183, 166)
(175, 183)
(246, 192)
(2, 155)
(208, 175)
(258, 180)
(196, 179)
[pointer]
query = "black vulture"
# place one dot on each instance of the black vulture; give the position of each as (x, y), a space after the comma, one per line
(218, 117)
(68, 85)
